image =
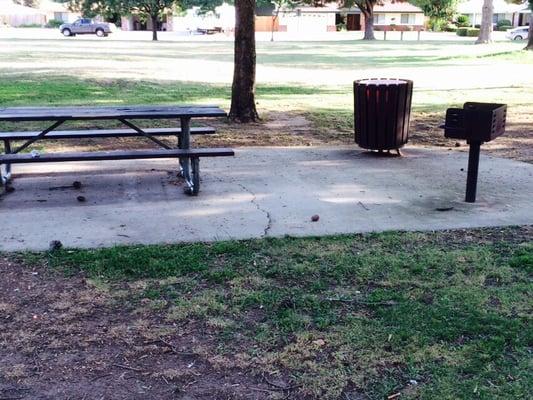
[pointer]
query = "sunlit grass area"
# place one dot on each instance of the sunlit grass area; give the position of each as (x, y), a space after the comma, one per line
(174, 71)
(303, 80)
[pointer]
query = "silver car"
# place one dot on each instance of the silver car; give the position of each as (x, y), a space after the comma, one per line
(519, 33)
(84, 26)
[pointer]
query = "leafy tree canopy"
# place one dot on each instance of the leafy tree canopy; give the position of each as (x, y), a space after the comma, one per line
(437, 9)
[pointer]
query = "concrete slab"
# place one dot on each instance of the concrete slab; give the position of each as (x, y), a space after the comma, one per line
(261, 192)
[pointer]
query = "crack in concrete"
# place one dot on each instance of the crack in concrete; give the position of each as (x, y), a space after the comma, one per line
(267, 213)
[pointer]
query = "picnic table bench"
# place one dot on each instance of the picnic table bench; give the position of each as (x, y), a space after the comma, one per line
(189, 159)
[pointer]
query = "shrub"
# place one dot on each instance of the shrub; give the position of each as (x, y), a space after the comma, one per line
(503, 22)
(461, 31)
(462, 21)
(450, 28)
(472, 32)
(29, 26)
(503, 28)
(54, 23)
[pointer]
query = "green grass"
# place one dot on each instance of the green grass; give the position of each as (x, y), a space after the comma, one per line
(308, 78)
(348, 316)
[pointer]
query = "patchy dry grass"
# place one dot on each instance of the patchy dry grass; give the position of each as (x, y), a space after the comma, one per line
(425, 315)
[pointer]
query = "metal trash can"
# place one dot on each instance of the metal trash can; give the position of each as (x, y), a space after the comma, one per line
(382, 108)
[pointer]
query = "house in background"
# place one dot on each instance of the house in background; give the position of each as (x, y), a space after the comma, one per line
(516, 13)
(400, 15)
(57, 11)
(12, 14)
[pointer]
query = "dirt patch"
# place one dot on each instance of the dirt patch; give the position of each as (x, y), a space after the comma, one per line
(294, 129)
(516, 143)
(64, 338)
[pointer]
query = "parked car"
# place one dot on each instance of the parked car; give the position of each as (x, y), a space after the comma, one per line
(519, 33)
(84, 26)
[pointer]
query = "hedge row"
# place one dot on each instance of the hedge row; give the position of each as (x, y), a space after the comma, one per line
(471, 32)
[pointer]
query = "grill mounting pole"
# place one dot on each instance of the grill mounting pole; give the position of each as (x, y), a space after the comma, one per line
(471, 178)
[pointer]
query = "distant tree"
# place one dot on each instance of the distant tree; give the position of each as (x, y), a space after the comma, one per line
(367, 9)
(529, 45)
(278, 6)
(108, 9)
(148, 9)
(28, 3)
(485, 31)
(438, 11)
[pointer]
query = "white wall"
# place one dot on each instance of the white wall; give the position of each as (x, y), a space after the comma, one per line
(307, 22)
(396, 18)
(224, 17)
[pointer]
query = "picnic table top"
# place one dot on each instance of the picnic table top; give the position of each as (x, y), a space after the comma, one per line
(15, 114)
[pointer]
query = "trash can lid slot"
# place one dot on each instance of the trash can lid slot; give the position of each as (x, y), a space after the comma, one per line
(383, 82)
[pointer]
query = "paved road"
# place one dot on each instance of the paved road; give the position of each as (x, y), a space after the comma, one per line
(261, 192)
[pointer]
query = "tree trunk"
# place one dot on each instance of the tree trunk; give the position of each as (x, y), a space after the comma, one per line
(485, 32)
(274, 18)
(369, 24)
(154, 27)
(530, 40)
(243, 87)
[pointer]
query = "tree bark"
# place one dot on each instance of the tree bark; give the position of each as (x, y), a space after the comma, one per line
(369, 26)
(530, 39)
(243, 88)
(154, 27)
(485, 32)
(367, 8)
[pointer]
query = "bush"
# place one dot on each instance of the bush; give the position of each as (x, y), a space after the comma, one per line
(503, 28)
(503, 22)
(29, 26)
(472, 32)
(462, 21)
(450, 28)
(461, 31)
(54, 23)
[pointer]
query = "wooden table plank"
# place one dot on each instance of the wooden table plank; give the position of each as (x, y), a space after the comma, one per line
(102, 113)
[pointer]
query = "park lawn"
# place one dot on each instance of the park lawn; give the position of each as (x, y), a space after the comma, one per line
(304, 92)
(409, 315)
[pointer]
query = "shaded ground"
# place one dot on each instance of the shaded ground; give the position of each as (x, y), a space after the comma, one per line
(350, 317)
(69, 338)
(305, 129)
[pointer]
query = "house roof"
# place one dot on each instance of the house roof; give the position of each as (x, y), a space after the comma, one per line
(396, 7)
(500, 7)
(387, 6)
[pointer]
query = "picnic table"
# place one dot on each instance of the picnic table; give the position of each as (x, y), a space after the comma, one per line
(189, 158)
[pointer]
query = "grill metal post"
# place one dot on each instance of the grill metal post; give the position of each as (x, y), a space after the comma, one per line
(473, 165)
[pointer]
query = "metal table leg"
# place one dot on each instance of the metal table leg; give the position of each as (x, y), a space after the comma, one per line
(5, 171)
(184, 143)
(193, 183)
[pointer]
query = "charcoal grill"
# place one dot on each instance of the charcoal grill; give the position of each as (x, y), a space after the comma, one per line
(476, 123)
